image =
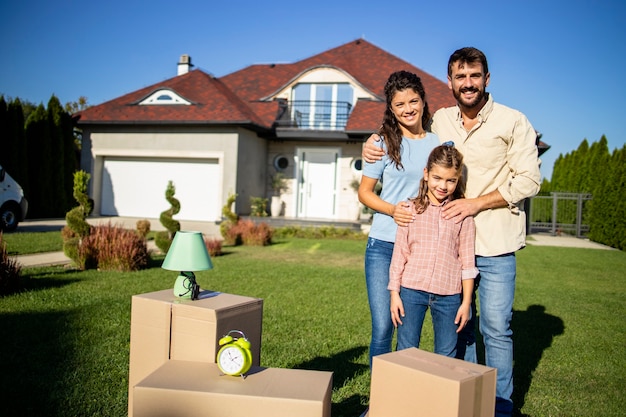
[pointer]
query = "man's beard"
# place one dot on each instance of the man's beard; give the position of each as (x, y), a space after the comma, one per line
(458, 95)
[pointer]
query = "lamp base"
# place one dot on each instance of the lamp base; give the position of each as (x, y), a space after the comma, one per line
(186, 286)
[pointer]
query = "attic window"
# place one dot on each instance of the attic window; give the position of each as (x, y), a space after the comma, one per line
(164, 97)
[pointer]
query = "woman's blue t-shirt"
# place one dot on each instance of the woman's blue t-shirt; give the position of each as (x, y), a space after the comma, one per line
(399, 184)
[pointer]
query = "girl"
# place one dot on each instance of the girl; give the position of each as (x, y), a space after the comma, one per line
(433, 259)
(407, 144)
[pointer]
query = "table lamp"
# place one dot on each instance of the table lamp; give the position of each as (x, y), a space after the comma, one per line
(187, 254)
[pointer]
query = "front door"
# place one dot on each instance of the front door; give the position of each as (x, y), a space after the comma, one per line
(317, 182)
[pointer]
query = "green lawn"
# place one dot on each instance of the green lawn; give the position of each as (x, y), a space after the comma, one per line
(65, 339)
(36, 242)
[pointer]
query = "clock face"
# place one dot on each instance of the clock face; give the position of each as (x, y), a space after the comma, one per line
(231, 360)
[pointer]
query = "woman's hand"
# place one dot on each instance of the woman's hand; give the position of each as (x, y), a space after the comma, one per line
(403, 214)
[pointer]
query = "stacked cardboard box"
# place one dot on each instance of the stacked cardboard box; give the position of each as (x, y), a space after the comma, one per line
(191, 389)
(173, 348)
(413, 383)
(164, 327)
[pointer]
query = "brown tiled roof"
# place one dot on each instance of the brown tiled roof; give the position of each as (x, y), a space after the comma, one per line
(366, 63)
(237, 98)
(212, 102)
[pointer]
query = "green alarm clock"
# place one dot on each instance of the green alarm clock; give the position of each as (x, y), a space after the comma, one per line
(234, 356)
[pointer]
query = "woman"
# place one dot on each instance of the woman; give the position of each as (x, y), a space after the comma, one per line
(407, 145)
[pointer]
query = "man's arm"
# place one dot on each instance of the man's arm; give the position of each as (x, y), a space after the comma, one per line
(523, 163)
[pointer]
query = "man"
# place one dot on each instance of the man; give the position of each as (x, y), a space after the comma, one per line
(500, 154)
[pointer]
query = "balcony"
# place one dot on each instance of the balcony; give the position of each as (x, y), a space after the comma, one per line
(314, 115)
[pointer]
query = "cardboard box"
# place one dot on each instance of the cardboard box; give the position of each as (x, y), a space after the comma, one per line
(197, 327)
(193, 389)
(165, 327)
(413, 382)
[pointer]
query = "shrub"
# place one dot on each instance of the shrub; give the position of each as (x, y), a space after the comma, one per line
(279, 183)
(255, 234)
(319, 232)
(246, 232)
(231, 234)
(143, 228)
(77, 227)
(258, 206)
(113, 248)
(231, 237)
(10, 270)
(213, 246)
(163, 239)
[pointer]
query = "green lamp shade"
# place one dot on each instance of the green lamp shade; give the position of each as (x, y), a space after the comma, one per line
(187, 253)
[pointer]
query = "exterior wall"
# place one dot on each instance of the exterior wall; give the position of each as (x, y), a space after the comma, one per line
(250, 170)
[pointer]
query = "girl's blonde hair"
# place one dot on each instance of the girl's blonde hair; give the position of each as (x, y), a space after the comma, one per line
(445, 156)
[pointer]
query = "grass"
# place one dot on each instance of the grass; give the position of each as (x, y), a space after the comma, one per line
(65, 338)
(35, 242)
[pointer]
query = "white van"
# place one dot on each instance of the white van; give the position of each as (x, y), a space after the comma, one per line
(13, 205)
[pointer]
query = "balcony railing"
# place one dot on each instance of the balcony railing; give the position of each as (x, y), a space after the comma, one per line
(314, 115)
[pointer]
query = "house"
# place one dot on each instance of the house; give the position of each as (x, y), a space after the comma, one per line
(213, 137)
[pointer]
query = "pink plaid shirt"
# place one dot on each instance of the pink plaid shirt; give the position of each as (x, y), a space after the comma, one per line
(433, 254)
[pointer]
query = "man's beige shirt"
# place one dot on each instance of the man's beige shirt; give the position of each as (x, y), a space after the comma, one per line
(500, 153)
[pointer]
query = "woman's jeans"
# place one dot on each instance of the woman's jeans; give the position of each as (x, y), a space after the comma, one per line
(496, 290)
(377, 261)
(443, 309)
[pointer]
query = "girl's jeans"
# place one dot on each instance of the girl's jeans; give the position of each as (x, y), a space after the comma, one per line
(377, 261)
(443, 309)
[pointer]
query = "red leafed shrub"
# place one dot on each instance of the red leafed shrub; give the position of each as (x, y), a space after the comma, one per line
(113, 248)
(255, 234)
(10, 271)
(231, 233)
(248, 233)
(213, 246)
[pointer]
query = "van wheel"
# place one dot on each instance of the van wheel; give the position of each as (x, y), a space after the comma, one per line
(8, 218)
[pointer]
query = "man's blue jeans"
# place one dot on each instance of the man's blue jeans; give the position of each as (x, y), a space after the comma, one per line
(496, 290)
(443, 309)
(377, 261)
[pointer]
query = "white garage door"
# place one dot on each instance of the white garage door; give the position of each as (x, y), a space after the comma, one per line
(136, 187)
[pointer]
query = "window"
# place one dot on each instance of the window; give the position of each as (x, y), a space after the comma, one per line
(164, 97)
(357, 165)
(322, 106)
(281, 162)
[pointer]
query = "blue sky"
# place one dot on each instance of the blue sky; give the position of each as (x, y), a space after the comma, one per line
(562, 63)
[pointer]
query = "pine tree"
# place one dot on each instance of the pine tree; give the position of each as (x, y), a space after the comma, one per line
(5, 139)
(19, 162)
(38, 139)
(57, 206)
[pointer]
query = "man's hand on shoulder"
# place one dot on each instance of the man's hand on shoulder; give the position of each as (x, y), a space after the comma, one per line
(372, 151)
(460, 209)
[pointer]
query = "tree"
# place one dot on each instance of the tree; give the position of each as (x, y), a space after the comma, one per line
(73, 107)
(59, 204)
(39, 151)
(19, 157)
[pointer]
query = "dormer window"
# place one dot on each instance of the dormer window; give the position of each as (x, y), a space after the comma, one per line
(164, 97)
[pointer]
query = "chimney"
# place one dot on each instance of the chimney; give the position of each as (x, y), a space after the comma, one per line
(184, 64)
